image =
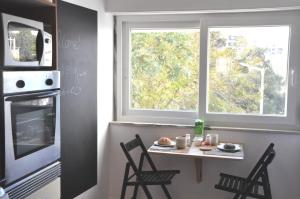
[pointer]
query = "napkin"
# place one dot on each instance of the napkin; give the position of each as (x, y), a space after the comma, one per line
(164, 148)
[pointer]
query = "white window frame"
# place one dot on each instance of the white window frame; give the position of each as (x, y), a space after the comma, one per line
(125, 24)
(277, 18)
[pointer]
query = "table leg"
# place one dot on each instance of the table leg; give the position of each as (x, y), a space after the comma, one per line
(198, 165)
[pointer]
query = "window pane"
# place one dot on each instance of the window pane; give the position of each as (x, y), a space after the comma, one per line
(164, 69)
(248, 70)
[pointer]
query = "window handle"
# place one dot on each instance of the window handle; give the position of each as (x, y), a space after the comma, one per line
(292, 77)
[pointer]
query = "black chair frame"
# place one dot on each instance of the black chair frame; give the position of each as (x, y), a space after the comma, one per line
(257, 181)
(143, 178)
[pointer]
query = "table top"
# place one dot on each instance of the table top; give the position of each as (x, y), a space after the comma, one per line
(195, 152)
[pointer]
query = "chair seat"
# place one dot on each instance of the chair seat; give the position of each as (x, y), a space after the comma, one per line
(256, 185)
(237, 184)
(157, 177)
(141, 178)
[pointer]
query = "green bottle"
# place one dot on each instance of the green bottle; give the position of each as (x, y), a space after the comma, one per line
(199, 128)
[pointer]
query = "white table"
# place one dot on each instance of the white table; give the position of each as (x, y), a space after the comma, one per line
(198, 155)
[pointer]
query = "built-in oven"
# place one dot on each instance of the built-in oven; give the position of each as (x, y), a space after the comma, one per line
(31, 104)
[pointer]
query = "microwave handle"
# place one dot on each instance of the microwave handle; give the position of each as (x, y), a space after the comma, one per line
(25, 97)
(40, 45)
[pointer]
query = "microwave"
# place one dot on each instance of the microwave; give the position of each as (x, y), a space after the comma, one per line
(24, 43)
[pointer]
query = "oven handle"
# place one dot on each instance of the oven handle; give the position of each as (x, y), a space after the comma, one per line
(25, 97)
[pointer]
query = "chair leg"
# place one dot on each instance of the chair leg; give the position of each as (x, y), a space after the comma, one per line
(244, 196)
(125, 181)
(266, 185)
(135, 191)
(236, 196)
(166, 191)
(123, 190)
(241, 196)
(146, 190)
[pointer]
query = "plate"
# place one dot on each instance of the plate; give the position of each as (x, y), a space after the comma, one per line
(221, 147)
(165, 145)
(205, 148)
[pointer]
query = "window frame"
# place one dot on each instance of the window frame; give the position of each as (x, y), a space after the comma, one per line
(247, 20)
(206, 21)
(124, 113)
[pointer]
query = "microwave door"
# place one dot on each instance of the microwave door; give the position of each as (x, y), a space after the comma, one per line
(22, 43)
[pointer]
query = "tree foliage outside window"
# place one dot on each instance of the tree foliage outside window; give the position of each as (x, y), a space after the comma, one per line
(247, 70)
(164, 71)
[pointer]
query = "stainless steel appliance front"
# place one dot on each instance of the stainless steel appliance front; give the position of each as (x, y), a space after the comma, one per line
(24, 43)
(31, 121)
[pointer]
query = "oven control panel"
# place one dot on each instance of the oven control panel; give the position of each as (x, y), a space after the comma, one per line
(28, 81)
(20, 84)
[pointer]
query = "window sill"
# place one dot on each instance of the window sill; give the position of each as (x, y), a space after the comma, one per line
(218, 128)
(146, 124)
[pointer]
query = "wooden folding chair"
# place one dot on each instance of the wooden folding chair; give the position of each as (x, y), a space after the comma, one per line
(256, 185)
(144, 178)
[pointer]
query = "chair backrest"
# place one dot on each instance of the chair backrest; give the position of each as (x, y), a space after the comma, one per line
(129, 146)
(262, 164)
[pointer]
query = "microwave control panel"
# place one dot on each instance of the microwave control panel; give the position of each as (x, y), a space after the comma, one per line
(47, 55)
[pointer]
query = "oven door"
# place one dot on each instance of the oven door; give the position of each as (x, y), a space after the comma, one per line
(32, 133)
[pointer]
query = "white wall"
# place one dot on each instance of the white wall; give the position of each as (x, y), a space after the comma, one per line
(118, 6)
(284, 171)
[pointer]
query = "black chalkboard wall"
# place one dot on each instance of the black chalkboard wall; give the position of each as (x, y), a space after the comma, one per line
(77, 61)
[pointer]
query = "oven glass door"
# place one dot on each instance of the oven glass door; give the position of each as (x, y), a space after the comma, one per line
(23, 42)
(33, 123)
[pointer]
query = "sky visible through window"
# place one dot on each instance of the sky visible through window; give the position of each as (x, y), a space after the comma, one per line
(248, 70)
(275, 39)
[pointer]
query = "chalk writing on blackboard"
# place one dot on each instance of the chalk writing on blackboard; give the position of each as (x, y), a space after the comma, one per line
(65, 41)
(74, 78)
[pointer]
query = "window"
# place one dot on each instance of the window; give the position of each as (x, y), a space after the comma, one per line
(248, 70)
(235, 70)
(164, 69)
(160, 71)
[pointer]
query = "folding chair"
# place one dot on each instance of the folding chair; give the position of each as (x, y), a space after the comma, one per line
(256, 185)
(144, 178)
